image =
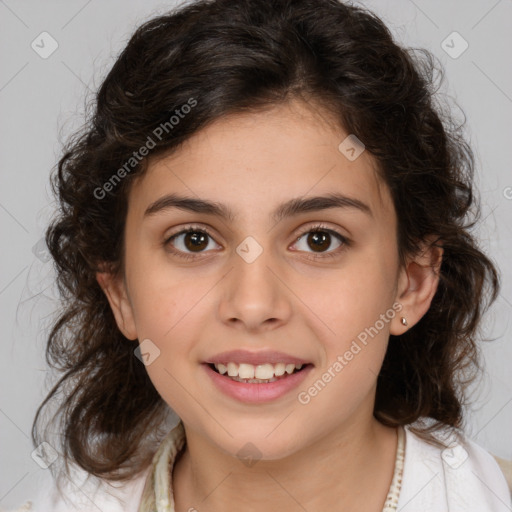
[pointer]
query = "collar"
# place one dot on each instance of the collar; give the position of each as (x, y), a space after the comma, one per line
(157, 495)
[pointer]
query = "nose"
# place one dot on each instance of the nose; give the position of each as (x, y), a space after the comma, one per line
(255, 297)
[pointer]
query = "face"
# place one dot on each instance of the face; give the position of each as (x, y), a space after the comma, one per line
(320, 284)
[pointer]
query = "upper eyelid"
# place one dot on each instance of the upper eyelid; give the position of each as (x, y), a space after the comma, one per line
(190, 228)
(342, 238)
(315, 226)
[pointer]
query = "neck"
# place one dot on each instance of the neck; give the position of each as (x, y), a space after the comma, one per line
(348, 469)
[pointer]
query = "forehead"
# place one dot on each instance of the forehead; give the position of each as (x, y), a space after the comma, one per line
(254, 161)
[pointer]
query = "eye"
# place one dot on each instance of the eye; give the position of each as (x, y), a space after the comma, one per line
(189, 241)
(320, 239)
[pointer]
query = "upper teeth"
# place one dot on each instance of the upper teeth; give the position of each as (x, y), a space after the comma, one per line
(260, 371)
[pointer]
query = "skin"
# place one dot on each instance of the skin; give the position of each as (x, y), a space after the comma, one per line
(331, 453)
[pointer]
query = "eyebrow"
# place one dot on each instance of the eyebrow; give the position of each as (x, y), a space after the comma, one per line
(290, 208)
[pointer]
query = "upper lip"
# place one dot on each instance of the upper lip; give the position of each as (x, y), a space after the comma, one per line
(255, 358)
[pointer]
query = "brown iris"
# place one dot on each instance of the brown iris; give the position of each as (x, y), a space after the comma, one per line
(319, 240)
(195, 240)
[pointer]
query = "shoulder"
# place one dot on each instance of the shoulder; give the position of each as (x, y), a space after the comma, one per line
(27, 507)
(84, 493)
(460, 475)
(506, 467)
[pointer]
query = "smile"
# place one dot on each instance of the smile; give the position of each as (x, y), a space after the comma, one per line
(256, 383)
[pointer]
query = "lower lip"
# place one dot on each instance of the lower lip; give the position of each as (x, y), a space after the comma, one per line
(257, 393)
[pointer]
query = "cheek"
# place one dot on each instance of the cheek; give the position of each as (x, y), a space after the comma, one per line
(356, 305)
(171, 311)
(358, 314)
(161, 297)
(167, 315)
(353, 297)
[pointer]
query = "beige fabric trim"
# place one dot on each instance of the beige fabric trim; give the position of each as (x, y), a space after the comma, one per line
(158, 495)
(506, 468)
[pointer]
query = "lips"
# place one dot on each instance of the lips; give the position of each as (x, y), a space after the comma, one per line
(252, 391)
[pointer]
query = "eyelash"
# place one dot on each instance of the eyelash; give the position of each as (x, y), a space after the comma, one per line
(313, 229)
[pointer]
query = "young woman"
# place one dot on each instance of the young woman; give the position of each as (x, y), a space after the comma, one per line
(264, 231)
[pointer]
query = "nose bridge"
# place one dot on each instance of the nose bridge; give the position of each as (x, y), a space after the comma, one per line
(255, 296)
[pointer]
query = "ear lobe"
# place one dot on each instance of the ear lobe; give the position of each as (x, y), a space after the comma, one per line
(114, 288)
(417, 286)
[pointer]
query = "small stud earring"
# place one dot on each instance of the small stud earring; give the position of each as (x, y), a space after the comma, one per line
(403, 320)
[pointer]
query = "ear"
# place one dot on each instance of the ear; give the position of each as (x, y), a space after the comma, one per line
(417, 285)
(114, 288)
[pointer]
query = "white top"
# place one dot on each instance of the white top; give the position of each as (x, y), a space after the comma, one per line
(463, 477)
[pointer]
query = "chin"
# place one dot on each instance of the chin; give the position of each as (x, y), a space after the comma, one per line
(255, 441)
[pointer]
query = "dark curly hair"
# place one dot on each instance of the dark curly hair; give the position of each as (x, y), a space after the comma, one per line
(223, 57)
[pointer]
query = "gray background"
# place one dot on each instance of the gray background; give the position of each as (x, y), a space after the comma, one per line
(41, 101)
